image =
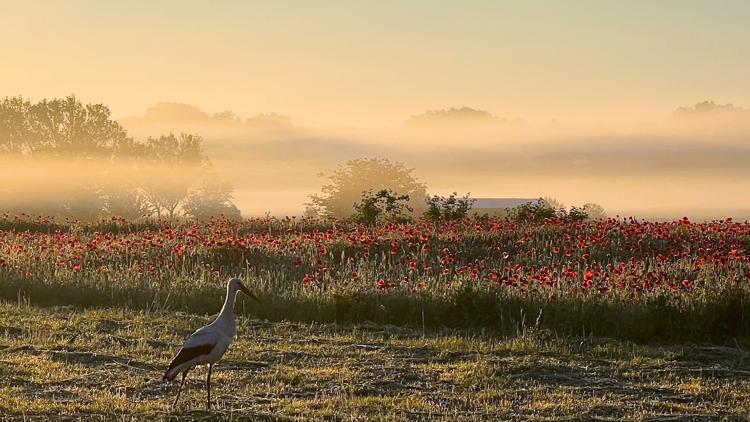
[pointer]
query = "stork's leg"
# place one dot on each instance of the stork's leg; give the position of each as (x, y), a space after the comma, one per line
(184, 375)
(208, 385)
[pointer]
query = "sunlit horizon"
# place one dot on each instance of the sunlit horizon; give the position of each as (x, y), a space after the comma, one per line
(643, 108)
(337, 64)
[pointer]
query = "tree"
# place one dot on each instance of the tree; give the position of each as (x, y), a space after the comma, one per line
(349, 181)
(594, 211)
(67, 128)
(450, 208)
(123, 190)
(554, 203)
(212, 199)
(185, 150)
(452, 116)
(175, 164)
(576, 214)
(62, 126)
(535, 211)
(84, 203)
(105, 169)
(127, 202)
(15, 126)
(383, 205)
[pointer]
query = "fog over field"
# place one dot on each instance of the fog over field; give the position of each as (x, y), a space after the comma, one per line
(641, 109)
(687, 161)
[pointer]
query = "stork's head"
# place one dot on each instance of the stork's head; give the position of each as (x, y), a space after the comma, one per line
(236, 284)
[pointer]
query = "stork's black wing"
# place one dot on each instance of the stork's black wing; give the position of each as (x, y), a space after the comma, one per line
(185, 355)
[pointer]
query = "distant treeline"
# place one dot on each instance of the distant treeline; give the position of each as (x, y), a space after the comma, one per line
(61, 157)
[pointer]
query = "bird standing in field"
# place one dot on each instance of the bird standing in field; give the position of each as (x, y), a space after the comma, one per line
(208, 344)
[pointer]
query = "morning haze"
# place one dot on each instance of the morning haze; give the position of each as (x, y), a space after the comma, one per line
(643, 110)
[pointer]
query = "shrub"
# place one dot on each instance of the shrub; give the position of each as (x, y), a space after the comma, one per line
(451, 208)
(534, 211)
(212, 199)
(382, 205)
(349, 180)
(577, 214)
(594, 211)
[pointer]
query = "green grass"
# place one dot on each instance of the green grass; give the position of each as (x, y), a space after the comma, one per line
(491, 274)
(470, 320)
(107, 364)
(717, 318)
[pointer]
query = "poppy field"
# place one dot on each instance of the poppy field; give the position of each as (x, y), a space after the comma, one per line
(626, 278)
(476, 319)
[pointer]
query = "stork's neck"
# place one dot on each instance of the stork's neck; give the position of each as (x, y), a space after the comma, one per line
(226, 316)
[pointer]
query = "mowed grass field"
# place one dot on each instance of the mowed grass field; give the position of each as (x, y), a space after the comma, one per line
(107, 364)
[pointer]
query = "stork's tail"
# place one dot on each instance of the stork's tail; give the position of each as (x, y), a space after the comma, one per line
(170, 374)
(173, 369)
(185, 360)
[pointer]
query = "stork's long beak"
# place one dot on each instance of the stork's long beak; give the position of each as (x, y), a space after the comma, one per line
(249, 293)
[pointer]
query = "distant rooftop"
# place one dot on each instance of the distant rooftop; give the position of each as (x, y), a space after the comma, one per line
(485, 203)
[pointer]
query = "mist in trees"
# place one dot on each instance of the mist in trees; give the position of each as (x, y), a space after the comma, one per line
(213, 197)
(61, 157)
(347, 183)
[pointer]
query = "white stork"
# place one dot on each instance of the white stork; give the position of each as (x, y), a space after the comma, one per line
(208, 344)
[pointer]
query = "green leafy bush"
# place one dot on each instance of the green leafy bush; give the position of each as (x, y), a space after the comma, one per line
(384, 205)
(451, 208)
(534, 212)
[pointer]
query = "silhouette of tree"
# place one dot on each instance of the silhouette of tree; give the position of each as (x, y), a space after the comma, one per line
(85, 202)
(537, 211)
(451, 208)
(349, 181)
(177, 162)
(594, 211)
(381, 206)
(169, 149)
(15, 126)
(62, 126)
(160, 171)
(213, 198)
(126, 201)
(452, 116)
(554, 203)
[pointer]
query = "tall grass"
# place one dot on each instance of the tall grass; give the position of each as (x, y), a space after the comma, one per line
(626, 279)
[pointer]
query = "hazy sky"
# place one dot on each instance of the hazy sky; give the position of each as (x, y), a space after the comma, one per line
(340, 63)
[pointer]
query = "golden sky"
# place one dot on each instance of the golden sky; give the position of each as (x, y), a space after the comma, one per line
(592, 83)
(366, 63)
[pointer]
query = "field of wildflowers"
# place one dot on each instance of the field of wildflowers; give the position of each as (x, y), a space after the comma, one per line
(630, 279)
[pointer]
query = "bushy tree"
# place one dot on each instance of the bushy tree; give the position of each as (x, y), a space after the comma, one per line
(185, 149)
(535, 211)
(69, 129)
(160, 171)
(450, 208)
(576, 214)
(213, 198)
(15, 126)
(384, 205)
(176, 163)
(548, 207)
(348, 181)
(127, 202)
(85, 203)
(594, 211)
(554, 203)
(62, 126)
